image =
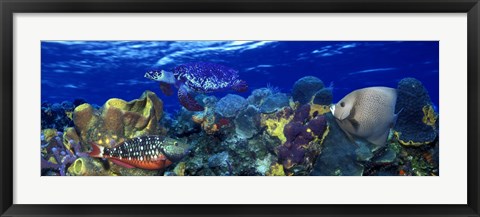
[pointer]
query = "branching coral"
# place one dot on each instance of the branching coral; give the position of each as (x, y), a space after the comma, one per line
(56, 156)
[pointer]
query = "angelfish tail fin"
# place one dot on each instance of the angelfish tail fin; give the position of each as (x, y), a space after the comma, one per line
(395, 117)
(97, 151)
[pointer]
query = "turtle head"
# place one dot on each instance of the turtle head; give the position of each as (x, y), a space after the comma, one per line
(162, 75)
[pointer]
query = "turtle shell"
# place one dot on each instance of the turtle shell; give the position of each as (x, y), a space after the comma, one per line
(205, 77)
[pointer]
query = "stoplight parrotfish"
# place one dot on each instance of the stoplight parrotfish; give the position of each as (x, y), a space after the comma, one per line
(199, 77)
(146, 152)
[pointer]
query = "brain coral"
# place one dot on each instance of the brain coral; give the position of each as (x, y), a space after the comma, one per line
(230, 105)
(305, 88)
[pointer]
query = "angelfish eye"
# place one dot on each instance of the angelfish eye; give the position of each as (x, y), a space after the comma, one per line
(342, 104)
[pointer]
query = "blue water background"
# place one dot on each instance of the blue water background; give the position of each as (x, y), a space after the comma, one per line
(99, 70)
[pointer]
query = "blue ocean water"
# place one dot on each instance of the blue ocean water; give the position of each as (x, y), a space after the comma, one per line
(99, 70)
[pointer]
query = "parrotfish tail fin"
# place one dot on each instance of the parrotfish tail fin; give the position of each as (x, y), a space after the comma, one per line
(188, 100)
(240, 86)
(166, 89)
(97, 151)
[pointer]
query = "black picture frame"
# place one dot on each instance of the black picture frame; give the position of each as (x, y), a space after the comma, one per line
(9, 7)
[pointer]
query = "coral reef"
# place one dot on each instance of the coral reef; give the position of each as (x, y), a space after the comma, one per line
(181, 124)
(338, 155)
(258, 96)
(274, 102)
(209, 121)
(56, 116)
(305, 88)
(247, 122)
(417, 122)
(230, 105)
(267, 134)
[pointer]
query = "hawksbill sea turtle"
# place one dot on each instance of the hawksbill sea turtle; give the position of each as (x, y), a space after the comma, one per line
(198, 77)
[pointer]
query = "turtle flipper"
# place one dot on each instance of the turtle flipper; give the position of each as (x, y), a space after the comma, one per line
(187, 100)
(166, 89)
(240, 86)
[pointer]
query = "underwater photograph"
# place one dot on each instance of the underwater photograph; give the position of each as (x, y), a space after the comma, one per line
(239, 108)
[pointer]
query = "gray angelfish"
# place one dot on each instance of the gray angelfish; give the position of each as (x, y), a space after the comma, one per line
(367, 113)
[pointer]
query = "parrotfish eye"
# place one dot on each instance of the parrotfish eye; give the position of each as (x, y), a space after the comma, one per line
(175, 143)
(342, 104)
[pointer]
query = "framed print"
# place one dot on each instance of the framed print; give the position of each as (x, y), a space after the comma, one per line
(195, 108)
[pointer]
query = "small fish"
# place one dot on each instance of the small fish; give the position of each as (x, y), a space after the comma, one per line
(146, 152)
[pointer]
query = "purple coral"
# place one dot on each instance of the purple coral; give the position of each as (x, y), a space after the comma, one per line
(62, 156)
(300, 132)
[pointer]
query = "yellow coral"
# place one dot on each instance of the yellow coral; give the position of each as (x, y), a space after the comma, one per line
(407, 143)
(116, 103)
(69, 115)
(275, 126)
(276, 170)
(179, 170)
(325, 134)
(319, 109)
(429, 115)
(70, 134)
(293, 104)
(83, 115)
(88, 167)
(49, 134)
(52, 160)
(118, 119)
(318, 141)
(78, 167)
